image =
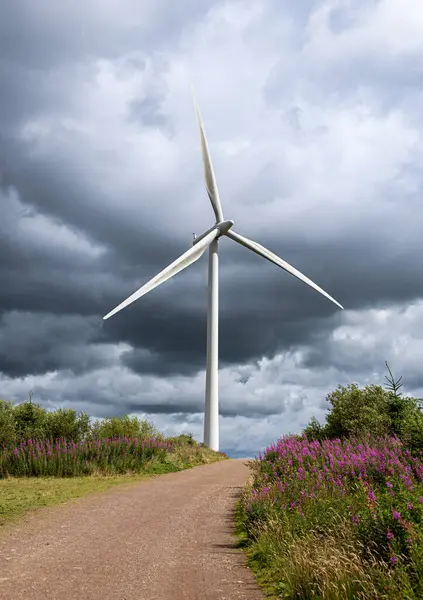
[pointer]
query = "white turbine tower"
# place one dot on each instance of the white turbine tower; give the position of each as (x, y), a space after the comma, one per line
(209, 239)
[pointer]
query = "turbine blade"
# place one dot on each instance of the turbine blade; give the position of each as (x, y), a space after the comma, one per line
(270, 256)
(184, 261)
(209, 176)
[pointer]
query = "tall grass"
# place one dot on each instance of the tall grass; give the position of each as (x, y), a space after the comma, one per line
(63, 458)
(336, 520)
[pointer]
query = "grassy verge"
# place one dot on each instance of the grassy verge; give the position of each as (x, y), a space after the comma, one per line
(259, 567)
(20, 495)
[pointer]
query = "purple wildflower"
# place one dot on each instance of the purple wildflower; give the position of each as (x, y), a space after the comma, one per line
(371, 496)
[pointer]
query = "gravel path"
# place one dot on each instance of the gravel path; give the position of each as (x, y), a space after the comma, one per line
(168, 538)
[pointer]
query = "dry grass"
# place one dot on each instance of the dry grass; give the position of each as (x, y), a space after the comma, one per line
(317, 566)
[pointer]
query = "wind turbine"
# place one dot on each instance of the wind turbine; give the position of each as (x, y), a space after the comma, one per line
(210, 239)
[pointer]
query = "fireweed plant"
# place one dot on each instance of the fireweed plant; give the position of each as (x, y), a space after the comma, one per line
(368, 491)
(62, 458)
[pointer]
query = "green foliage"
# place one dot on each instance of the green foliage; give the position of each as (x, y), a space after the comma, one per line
(355, 411)
(66, 423)
(185, 439)
(63, 443)
(30, 421)
(393, 384)
(7, 423)
(25, 421)
(410, 428)
(124, 426)
(314, 430)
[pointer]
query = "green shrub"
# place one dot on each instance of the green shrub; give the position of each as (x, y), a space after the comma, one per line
(314, 430)
(411, 426)
(185, 439)
(30, 421)
(7, 424)
(355, 411)
(66, 423)
(124, 426)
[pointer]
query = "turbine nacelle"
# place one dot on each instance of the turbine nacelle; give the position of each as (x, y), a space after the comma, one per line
(223, 227)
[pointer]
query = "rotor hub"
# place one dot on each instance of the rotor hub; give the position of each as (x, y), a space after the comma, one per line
(224, 227)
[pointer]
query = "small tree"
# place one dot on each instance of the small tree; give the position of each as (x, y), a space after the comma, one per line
(66, 423)
(30, 420)
(393, 385)
(396, 404)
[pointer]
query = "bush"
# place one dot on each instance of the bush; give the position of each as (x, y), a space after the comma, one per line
(30, 421)
(124, 426)
(411, 427)
(62, 443)
(185, 439)
(355, 411)
(7, 423)
(371, 410)
(66, 423)
(314, 430)
(22, 422)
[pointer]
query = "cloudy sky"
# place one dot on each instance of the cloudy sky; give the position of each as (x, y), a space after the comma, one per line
(313, 114)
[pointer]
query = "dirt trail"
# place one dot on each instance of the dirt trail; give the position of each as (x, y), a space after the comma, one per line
(169, 538)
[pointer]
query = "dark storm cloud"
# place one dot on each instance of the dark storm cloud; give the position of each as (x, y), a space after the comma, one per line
(45, 58)
(258, 314)
(39, 343)
(61, 282)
